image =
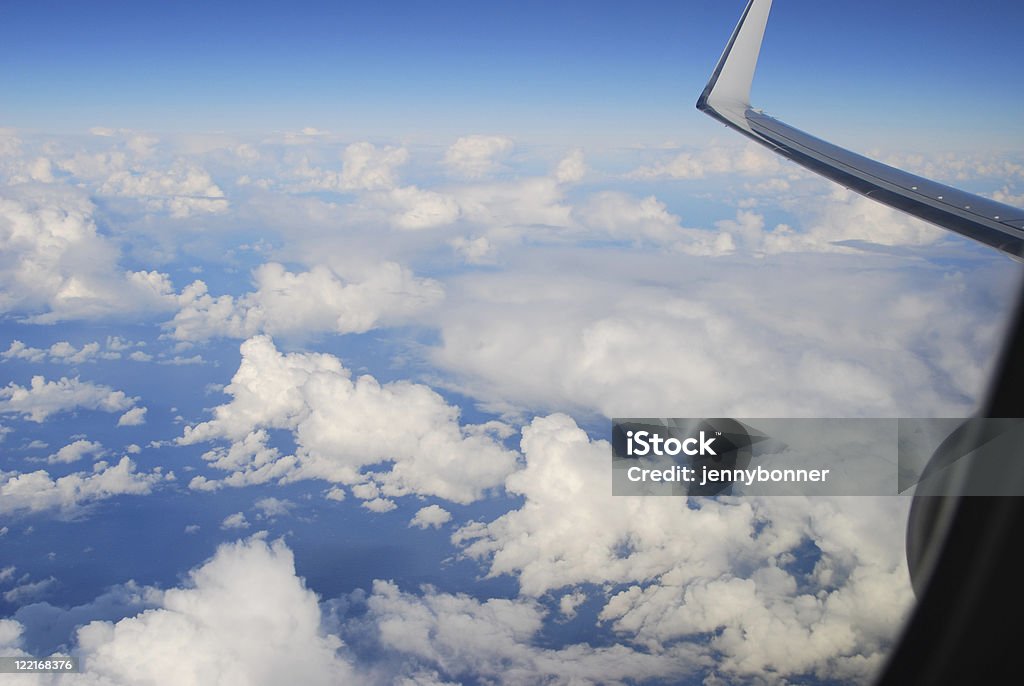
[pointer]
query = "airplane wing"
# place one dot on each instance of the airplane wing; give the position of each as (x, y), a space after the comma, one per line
(727, 99)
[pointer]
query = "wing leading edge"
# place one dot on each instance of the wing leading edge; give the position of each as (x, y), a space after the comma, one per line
(727, 98)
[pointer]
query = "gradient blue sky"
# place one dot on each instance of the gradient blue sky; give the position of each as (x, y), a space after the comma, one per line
(545, 71)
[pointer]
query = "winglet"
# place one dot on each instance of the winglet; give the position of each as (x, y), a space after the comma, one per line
(728, 90)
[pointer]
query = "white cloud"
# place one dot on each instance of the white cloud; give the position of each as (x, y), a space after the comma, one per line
(133, 417)
(422, 209)
(65, 352)
(29, 591)
(310, 302)
(43, 398)
(569, 602)
(342, 426)
(477, 155)
(431, 516)
(379, 505)
(20, 351)
(58, 267)
(60, 352)
(532, 203)
(630, 335)
(245, 617)
(181, 361)
(648, 219)
(183, 190)
(749, 160)
(274, 507)
(364, 168)
(492, 641)
(75, 451)
(711, 567)
(572, 168)
(477, 250)
(37, 491)
(235, 521)
(847, 216)
(1008, 196)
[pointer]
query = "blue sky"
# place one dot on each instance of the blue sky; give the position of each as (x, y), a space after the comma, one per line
(420, 69)
(316, 318)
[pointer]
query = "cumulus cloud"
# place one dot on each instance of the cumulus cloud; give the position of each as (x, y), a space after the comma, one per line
(648, 219)
(75, 451)
(56, 266)
(183, 190)
(844, 216)
(718, 567)
(244, 617)
(748, 160)
(1009, 196)
(20, 351)
(68, 495)
(477, 155)
(133, 417)
(42, 398)
(463, 637)
(342, 426)
(310, 302)
(364, 168)
(572, 168)
(60, 352)
(235, 521)
(422, 209)
(274, 507)
(431, 516)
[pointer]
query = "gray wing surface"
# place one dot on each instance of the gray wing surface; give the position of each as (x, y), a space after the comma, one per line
(727, 98)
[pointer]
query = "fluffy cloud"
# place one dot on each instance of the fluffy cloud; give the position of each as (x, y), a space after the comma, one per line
(648, 220)
(1007, 195)
(572, 168)
(422, 209)
(694, 568)
(431, 516)
(631, 335)
(748, 160)
(183, 191)
(38, 491)
(245, 617)
(844, 216)
(235, 521)
(273, 507)
(56, 265)
(43, 398)
(133, 417)
(303, 303)
(364, 168)
(477, 155)
(493, 640)
(343, 426)
(29, 590)
(75, 451)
